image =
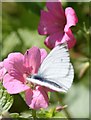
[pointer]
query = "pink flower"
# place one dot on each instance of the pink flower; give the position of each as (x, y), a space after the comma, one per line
(2, 70)
(39, 98)
(55, 23)
(19, 66)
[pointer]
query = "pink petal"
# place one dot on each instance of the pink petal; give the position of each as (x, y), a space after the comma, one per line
(49, 23)
(69, 38)
(28, 96)
(43, 54)
(59, 38)
(32, 58)
(2, 70)
(13, 85)
(27, 64)
(14, 65)
(48, 89)
(37, 99)
(71, 18)
(54, 39)
(56, 9)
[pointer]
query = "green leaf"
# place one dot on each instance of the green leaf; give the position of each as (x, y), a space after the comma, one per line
(60, 114)
(51, 113)
(6, 100)
(14, 115)
(26, 114)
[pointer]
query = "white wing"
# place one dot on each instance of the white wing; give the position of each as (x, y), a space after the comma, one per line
(56, 68)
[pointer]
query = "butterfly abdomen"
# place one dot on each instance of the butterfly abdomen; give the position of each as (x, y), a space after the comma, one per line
(37, 77)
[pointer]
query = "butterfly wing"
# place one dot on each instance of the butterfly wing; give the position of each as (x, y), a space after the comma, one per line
(56, 72)
(56, 68)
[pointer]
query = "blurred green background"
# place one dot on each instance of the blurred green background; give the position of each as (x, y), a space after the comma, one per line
(19, 32)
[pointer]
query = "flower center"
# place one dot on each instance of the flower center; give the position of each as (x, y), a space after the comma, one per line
(28, 83)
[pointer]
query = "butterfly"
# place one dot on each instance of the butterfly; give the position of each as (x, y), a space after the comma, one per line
(56, 71)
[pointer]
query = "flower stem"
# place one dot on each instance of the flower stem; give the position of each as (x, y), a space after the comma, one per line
(34, 114)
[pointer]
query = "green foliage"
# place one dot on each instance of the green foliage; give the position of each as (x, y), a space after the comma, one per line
(6, 101)
(19, 33)
(51, 113)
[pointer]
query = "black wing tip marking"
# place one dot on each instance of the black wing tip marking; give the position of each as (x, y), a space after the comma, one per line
(63, 44)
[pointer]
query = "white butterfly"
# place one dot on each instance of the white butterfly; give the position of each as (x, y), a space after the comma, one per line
(56, 72)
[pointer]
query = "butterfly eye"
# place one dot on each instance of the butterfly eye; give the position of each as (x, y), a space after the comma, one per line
(29, 76)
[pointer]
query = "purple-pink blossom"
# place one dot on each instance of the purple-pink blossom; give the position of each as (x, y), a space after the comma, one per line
(20, 66)
(56, 23)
